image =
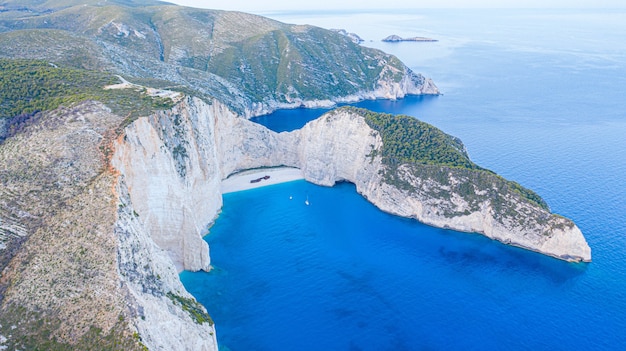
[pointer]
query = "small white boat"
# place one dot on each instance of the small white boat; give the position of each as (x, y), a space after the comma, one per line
(306, 202)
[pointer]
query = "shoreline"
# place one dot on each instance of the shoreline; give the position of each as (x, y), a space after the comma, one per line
(241, 181)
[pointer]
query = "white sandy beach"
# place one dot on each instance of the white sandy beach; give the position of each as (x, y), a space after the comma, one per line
(241, 181)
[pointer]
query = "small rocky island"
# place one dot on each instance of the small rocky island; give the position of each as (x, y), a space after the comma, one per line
(396, 38)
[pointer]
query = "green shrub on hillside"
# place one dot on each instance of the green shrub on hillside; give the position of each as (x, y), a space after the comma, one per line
(30, 86)
(193, 307)
(406, 140)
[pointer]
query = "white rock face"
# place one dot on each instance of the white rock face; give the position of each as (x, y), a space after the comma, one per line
(171, 166)
(169, 191)
(148, 273)
(335, 147)
(173, 163)
(242, 144)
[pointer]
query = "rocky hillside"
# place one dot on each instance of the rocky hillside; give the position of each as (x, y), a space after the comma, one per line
(253, 64)
(71, 243)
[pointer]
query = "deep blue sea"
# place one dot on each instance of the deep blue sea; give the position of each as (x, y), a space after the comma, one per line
(537, 96)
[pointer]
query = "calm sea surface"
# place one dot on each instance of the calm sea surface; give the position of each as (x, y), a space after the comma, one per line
(538, 97)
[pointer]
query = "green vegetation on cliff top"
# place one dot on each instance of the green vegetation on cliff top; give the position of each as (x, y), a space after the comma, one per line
(30, 86)
(193, 307)
(407, 140)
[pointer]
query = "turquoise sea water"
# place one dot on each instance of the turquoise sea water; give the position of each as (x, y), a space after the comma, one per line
(538, 97)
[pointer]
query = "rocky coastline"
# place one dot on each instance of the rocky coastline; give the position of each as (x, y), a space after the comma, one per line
(396, 38)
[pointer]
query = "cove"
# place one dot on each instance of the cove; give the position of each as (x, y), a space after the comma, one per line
(288, 120)
(340, 274)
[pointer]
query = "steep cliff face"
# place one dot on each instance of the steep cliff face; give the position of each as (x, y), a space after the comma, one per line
(170, 164)
(173, 162)
(338, 147)
(165, 315)
(169, 191)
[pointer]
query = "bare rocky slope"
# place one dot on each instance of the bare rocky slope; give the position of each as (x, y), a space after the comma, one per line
(89, 274)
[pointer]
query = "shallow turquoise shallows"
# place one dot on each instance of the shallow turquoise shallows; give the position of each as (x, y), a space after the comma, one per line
(538, 97)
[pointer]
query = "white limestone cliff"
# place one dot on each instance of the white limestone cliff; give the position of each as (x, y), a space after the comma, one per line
(151, 279)
(170, 164)
(169, 191)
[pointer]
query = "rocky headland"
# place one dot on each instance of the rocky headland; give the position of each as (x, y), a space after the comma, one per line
(396, 38)
(353, 36)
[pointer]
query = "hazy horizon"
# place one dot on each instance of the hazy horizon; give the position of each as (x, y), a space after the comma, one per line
(275, 5)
